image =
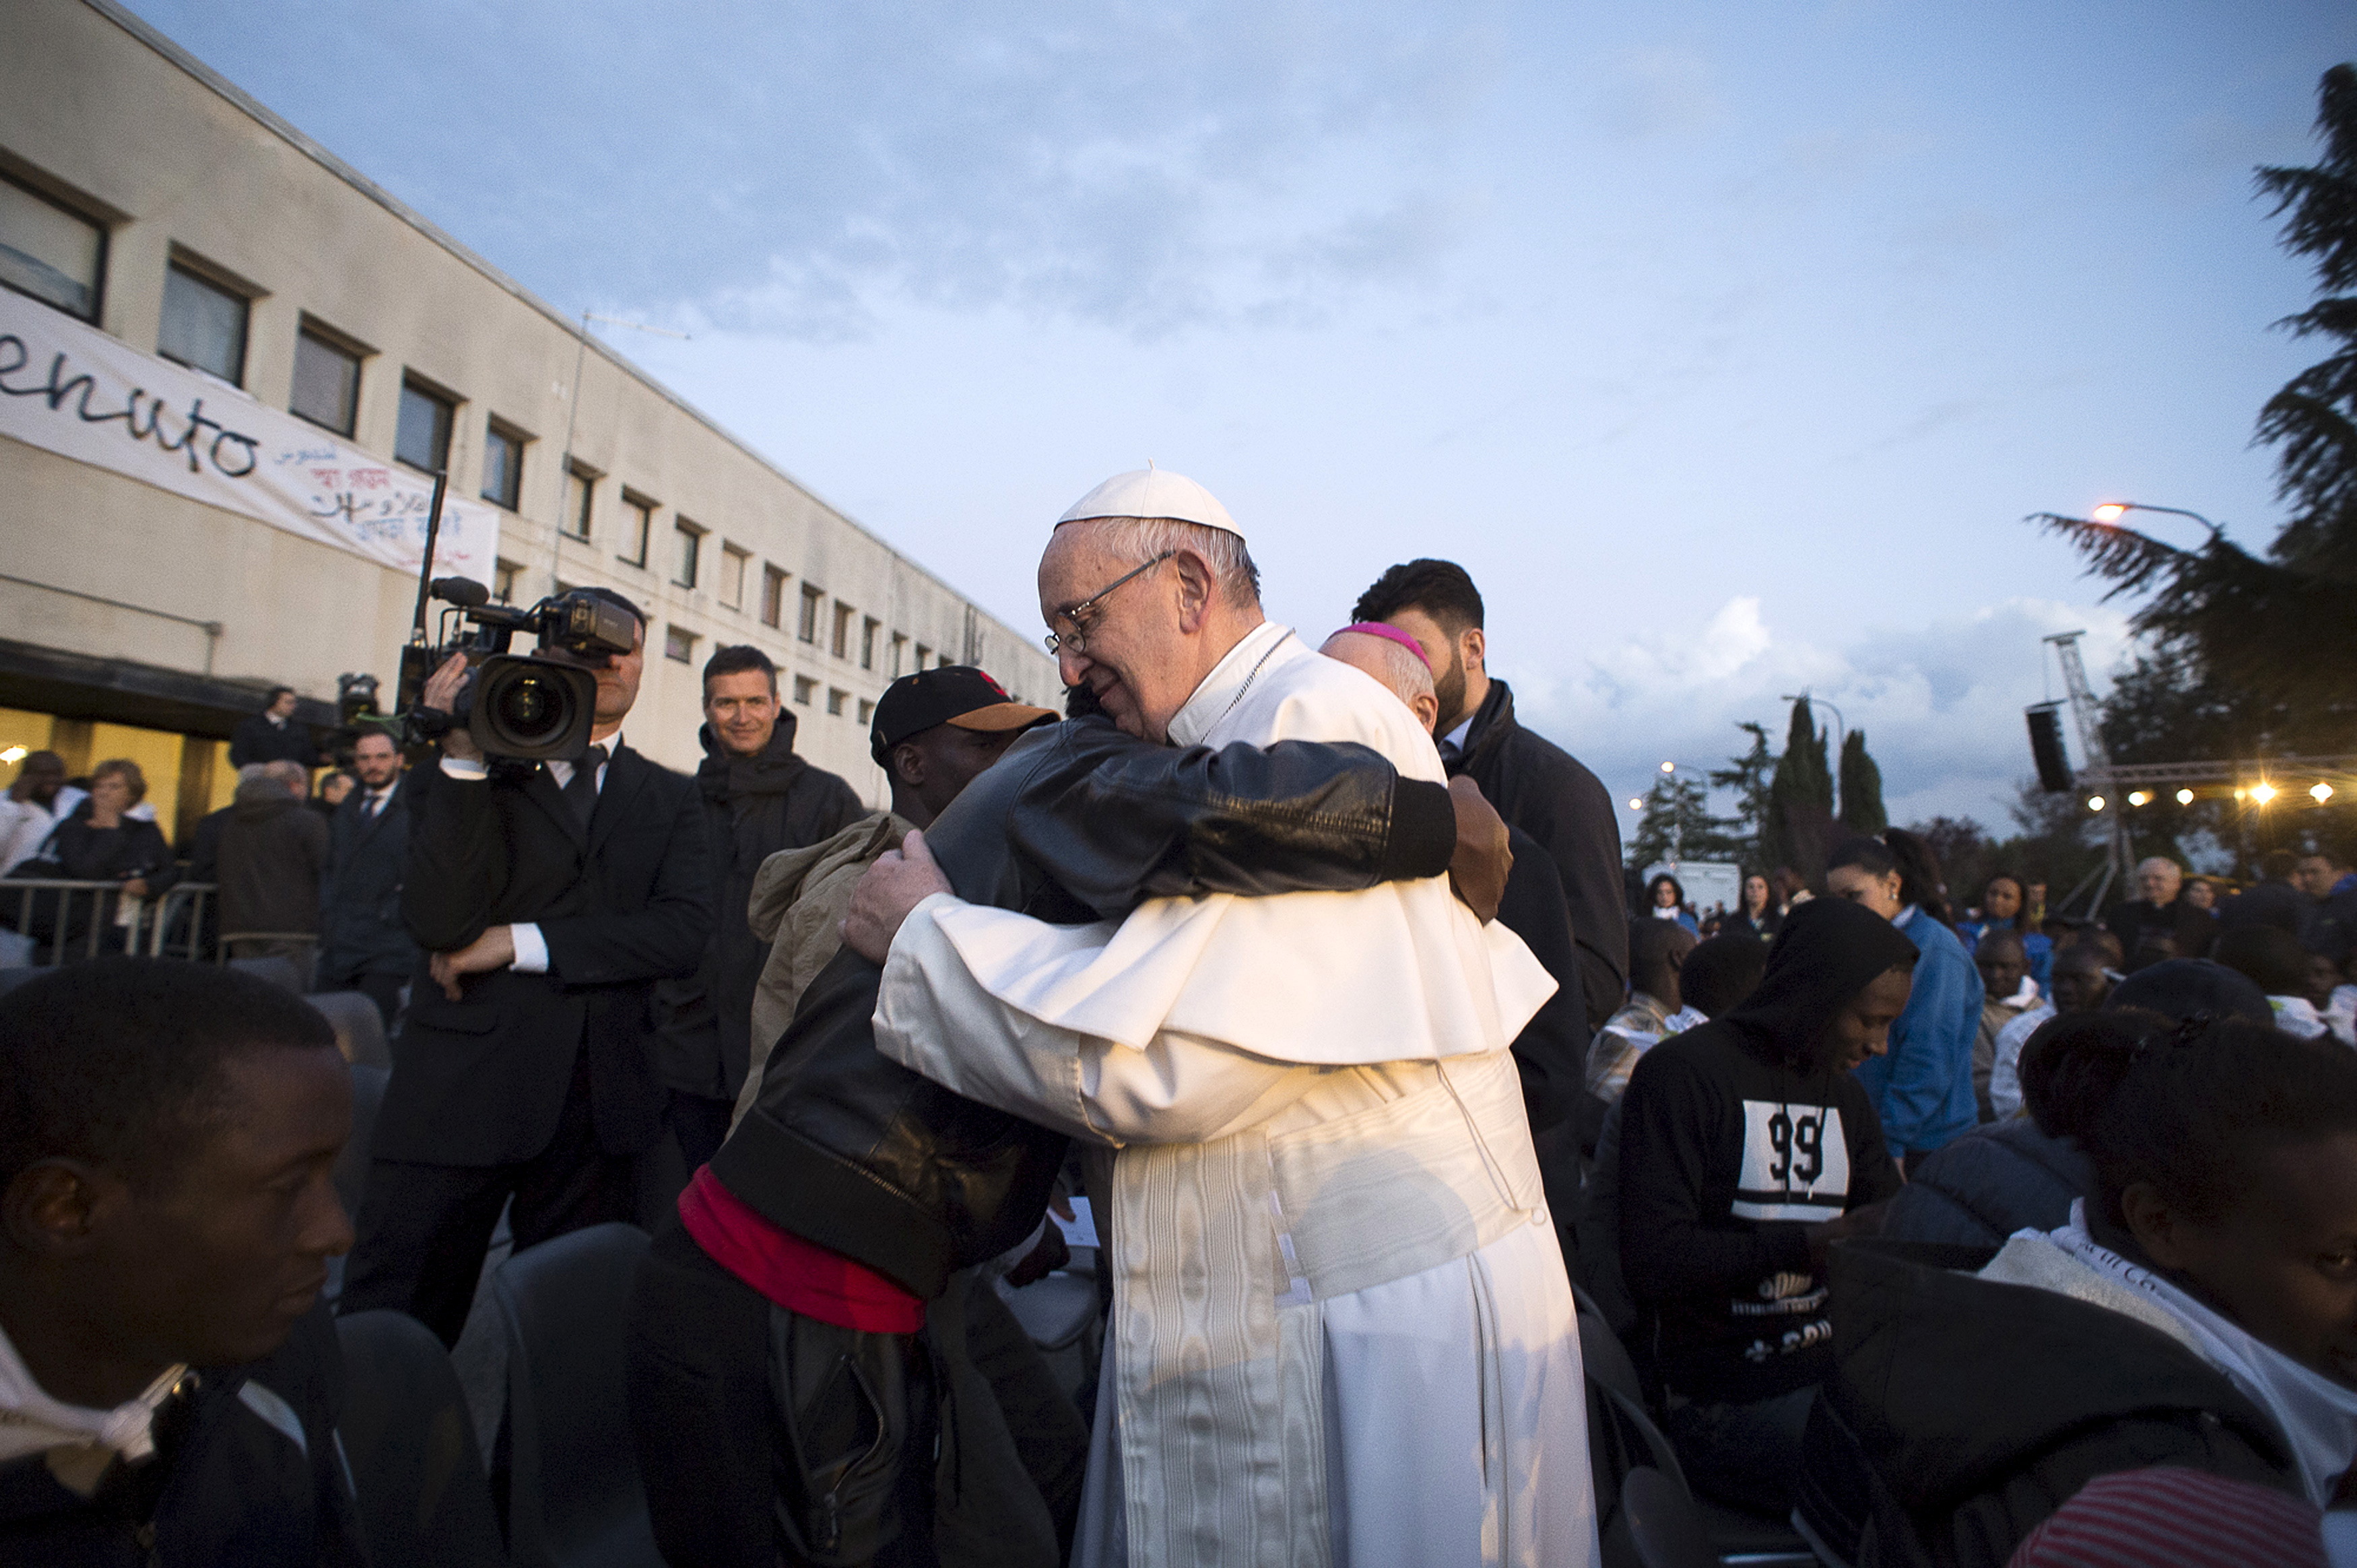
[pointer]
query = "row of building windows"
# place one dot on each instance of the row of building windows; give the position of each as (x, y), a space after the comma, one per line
(58, 256)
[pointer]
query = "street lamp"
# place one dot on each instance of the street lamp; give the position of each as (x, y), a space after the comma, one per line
(2185, 797)
(2112, 511)
(2321, 793)
(2264, 792)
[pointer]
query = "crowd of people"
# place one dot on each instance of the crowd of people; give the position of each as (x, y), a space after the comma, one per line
(1932, 1235)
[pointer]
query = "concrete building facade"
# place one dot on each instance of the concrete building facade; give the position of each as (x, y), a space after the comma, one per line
(143, 195)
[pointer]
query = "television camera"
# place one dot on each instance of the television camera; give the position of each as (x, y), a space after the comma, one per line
(531, 707)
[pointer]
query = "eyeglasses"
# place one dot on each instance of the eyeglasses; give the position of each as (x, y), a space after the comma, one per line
(1083, 614)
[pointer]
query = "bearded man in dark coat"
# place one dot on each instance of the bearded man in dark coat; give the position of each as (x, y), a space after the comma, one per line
(1536, 786)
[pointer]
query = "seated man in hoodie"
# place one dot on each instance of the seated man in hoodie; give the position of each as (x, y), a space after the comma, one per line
(1747, 1147)
(2195, 1311)
(169, 1135)
(1716, 977)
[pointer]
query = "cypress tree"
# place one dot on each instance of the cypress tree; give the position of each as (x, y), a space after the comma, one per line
(1861, 787)
(1799, 829)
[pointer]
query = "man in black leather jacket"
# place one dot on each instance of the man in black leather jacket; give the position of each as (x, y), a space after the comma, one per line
(847, 1197)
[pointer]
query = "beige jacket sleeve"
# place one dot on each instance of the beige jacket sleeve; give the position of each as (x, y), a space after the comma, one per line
(933, 1017)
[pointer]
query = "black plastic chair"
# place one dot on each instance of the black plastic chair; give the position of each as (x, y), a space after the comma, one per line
(1663, 1525)
(277, 967)
(410, 1441)
(352, 1165)
(360, 1028)
(574, 1499)
(1606, 1358)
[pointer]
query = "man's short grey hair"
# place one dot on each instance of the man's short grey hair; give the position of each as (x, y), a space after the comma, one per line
(2161, 862)
(1394, 666)
(291, 774)
(248, 772)
(1141, 539)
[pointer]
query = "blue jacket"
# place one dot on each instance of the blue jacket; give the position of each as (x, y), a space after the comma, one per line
(1924, 1089)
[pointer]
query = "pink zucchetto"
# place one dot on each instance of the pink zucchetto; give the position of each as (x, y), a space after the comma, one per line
(1392, 634)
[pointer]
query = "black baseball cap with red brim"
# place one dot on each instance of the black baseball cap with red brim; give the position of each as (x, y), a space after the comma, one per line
(956, 695)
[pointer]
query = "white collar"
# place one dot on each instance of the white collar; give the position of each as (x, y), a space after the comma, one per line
(33, 1422)
(2317, 1416)
(2296, 1016)
(1456, 738)
(1226, 686)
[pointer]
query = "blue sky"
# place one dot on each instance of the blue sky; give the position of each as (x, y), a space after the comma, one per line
(1725, 344)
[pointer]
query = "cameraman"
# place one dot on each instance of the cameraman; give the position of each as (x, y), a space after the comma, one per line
(549, 898)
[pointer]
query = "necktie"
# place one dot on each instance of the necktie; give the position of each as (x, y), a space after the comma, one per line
(1450, 756)
(581, 789)
(376, 805)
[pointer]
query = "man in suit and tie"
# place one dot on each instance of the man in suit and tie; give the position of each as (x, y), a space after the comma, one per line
(363, 946)
(549, 897)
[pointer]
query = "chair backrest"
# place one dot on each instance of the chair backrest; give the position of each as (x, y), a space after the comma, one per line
(1607, 1359)
(277, 969)
(574, 1499)
(352, 1165)
(360, 1028)
(1662, 1524)
(410, 1441)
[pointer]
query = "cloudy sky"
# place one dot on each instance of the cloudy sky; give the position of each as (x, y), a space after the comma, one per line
(1726, 344)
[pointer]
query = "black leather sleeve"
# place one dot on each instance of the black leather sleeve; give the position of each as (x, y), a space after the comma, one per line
(1115, 820)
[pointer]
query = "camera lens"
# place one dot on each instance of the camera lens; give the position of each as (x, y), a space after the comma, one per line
(532, 708)
(528, 708)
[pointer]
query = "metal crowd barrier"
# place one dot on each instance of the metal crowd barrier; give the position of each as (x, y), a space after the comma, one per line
(85, 916)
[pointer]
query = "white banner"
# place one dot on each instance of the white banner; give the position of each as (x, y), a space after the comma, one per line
(69, 387)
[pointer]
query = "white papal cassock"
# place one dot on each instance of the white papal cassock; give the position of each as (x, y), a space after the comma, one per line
(1342, 1333)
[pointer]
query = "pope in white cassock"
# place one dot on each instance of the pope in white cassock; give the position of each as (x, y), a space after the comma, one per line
(1341, 1331)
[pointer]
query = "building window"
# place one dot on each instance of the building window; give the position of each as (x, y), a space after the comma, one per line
(807, 627)
(55, 255)
(835, 698)
(204, 325)
(899, 651)
(732, 576)
(921, 651)
(688, 541)
(867, 629)
(326, 382)
(866, 711)
(423, 438)
(679, 645)
(578, 483)
(842, 614)
(638, 523)
(803, 687)
(503, 580)
(773, 596)
(503, 466)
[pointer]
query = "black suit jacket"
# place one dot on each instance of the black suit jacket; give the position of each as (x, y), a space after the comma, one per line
(1545, 791)
(482, 1081)
(360, 930)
